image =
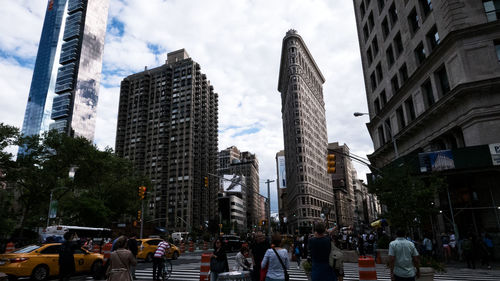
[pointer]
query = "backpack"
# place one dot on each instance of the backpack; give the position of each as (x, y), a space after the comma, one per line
(336, 259)
(297, 250)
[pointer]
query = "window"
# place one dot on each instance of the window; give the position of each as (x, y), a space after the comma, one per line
(426, 7)
(380, 75)
(497, 48)
(410, 109)
(373, 81)
(413, 21)
(381, 4)
(369, 55)
(492, 9)
(393, 14)
(395, 85)
(376, 104)
(381, 136)
(388, 131)
(385, 27)
(401, 118)
(366, 34)
(433, 38)
(444, 84)
(390, 56)
(403, 73)
(383, 98)
(362, 10)
(51, 250)
(420, 54)
(398, 44)
(428, 94)
(375, 46)
(371, 23)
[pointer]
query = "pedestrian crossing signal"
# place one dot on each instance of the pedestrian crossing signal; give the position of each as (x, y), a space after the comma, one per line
(330, 163)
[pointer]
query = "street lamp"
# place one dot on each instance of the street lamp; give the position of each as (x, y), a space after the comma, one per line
(358, 114)
(53, 209)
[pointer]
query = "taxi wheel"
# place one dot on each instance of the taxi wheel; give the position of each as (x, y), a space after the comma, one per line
(175, 255)
(40, 272)
(149, 257)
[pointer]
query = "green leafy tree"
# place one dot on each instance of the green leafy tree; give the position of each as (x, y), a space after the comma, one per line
(408, 198)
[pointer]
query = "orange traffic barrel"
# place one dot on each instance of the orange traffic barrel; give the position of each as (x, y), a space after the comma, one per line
(10, 247)
(191, 246)
(205, 245)
(205, 267)
(183, 247)
(96, 248)
(367, 270)
(106, 251)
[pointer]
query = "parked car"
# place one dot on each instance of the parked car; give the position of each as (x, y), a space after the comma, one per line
(147, 248)
(42, 261)
(232, 243)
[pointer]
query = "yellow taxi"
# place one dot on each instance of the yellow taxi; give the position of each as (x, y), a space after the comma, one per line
(147, 248)
(41, 261)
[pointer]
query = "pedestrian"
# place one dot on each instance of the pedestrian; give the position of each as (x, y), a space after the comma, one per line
(120, 262)
(66, 256)
(158, 259)
(319, 249)
(297, 252)
(336, 259)
(427, 246)
(445, 241)
(468, 251)
(132, 246)
(259, 248)
(218, 261)
(276, 261)
(488, 244)
(403, 259)
(242, 263)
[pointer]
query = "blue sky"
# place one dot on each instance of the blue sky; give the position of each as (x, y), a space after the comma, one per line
(237, 44)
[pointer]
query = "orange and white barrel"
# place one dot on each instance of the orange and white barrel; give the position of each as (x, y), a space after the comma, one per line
(205, 267)
(183, 248)
(205, 245)
(106, 251)
(367, 270)
(10, 247)
(191, 246)
(96, 248)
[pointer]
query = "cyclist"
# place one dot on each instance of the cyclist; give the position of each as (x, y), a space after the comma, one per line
(158, 259)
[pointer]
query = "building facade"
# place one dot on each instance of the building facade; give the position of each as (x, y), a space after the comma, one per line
(366, 207)
(305, 136)
(233, 204)
(232, 161)
(432, 77)
(167, 126)
(342, 182)
(66, 78)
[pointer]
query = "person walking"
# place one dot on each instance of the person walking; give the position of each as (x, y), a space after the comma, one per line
(427, 246)
(218, 261)
(319, 248)
(259, 248)
(158, 259)
(66, 256)
(297, 252)
(276, 261)
(132, 246)
(120, 262)
(468, 249)
(404, 261)
(242, 263)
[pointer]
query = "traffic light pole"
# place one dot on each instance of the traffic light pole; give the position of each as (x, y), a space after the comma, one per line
(269, 206)
(142, 218)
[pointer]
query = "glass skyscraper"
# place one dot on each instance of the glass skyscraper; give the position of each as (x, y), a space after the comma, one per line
(65, 84)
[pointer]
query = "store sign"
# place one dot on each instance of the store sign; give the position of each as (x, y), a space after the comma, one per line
(436, 161)
(495, 153)
(281, 171)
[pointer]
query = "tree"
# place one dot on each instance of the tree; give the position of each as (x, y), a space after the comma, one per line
(8, 137)
(408, 198)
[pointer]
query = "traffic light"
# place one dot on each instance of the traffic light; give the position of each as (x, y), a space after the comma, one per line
(206, 181)
(142, 192)
(139, 215)
(330, 163)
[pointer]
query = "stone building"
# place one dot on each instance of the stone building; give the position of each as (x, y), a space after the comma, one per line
(432, 77)
(305, 137)
(167, 126)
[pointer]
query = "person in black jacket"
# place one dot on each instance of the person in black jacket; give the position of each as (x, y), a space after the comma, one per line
(218, 262)
(132, 246)
(259, 248)
(66, 256)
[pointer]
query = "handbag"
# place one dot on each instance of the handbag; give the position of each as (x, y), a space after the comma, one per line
(263, 273)
(287, 277)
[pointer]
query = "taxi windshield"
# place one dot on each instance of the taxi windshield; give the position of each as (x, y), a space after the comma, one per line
(27, 249)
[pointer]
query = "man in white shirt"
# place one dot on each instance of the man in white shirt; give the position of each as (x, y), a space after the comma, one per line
(403, 259)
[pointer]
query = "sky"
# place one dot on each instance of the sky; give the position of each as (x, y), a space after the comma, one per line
(238, 45)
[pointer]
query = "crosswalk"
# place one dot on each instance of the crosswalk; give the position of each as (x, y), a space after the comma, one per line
(191, 272)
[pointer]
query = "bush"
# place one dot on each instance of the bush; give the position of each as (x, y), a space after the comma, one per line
(307, 266)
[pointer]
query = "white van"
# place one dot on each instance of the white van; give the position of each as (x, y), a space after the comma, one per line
(179, 237)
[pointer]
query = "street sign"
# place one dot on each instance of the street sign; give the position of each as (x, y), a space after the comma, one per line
(53, 209)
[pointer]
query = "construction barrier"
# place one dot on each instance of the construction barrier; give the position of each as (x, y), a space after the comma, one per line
(10, 247)
(205, 246)
(205, 267)
(183, 248)
(106, 251)
(367, 270)
(96, 248)
(191, 246)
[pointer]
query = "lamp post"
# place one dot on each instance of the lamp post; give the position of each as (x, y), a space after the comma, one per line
(71, 175)
(358, 114)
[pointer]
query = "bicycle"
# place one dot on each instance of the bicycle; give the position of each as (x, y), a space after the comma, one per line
(167, 270)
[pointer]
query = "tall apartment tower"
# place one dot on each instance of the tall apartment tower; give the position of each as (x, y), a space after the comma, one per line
(232, 161)
(65, 84)
(342, 182)
(432, 74)
(167, 126)
(305, 137)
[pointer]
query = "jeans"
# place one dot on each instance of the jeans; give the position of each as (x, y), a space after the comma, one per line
(157, 268)
(213, 276)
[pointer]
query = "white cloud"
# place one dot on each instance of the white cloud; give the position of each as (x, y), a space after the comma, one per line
(238, 45)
